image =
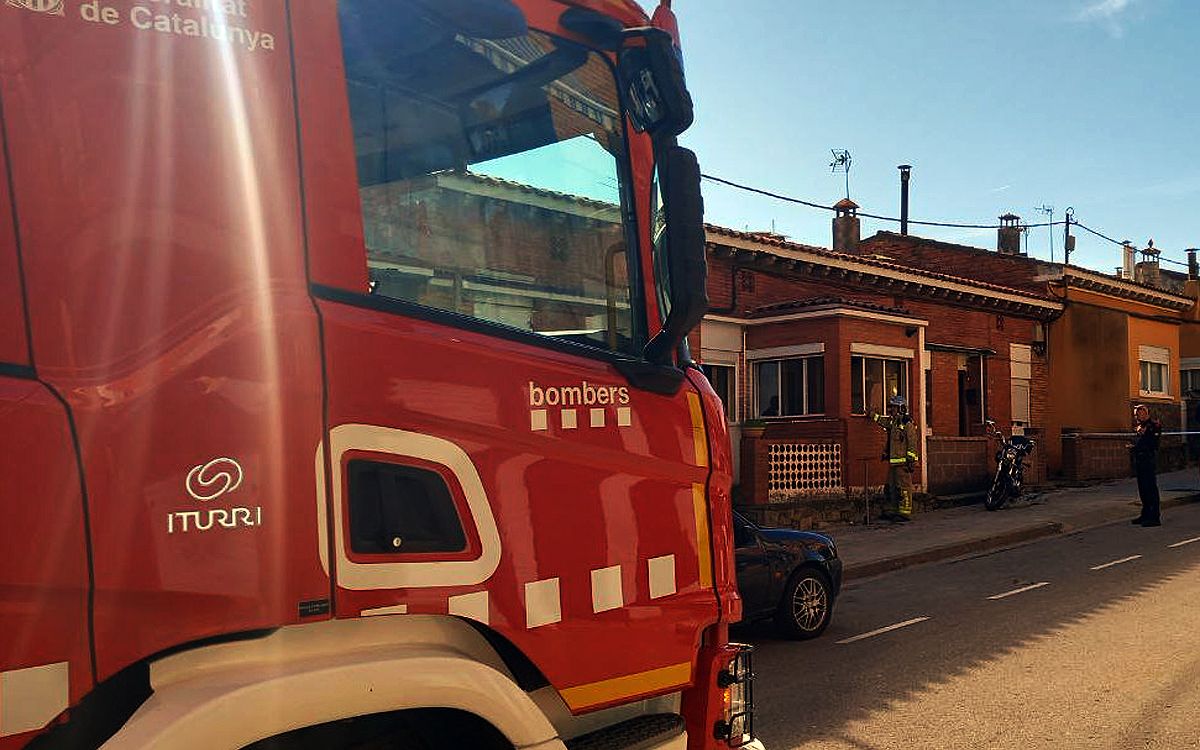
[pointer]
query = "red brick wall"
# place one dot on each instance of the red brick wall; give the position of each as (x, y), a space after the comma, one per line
(755, 450)
(959, 464)
(944, 393)
(865, 441)
(1089, 457)
(949, 324)
(1036, 469)
(1015, 272)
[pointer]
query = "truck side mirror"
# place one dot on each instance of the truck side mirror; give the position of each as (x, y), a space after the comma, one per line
(687, 268)
(653, 85)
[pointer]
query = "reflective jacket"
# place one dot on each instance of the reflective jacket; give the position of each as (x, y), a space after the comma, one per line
(901, 439)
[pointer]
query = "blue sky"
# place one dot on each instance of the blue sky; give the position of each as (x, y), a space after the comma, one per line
(1000, 105)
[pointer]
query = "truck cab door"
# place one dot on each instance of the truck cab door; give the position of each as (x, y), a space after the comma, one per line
(478, 281)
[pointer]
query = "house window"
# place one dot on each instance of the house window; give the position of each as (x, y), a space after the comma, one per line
(875, 381)
(1189, 383)
(1154, 378)
(1154, 364)
(790, 387)
(724, 382)
(1020, 363)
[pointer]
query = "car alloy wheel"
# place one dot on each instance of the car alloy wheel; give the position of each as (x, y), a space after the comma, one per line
(804, 611)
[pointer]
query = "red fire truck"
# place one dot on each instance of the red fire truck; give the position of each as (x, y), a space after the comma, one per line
(345, 387)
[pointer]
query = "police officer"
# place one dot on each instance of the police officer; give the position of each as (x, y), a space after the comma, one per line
(1145, 454)
(901, 455)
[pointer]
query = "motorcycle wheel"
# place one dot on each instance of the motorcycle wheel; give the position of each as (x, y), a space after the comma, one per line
(997, 493)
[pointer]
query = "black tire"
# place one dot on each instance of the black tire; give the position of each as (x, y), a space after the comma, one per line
(997, 493)
(806, 606)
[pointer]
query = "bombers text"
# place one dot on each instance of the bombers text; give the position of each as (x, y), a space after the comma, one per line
(584, 394)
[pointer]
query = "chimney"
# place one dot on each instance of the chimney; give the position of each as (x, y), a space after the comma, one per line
(1191, 287)
(1008, 242)
(845, 226)
(1147, 272)
(905, 174)
(1127, 251)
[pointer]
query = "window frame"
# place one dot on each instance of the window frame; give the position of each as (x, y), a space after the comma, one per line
(631, 229)
(1020, 369)
(731, 407)
(1154, 357)
(1144, 375)
(1191, 377)
(754, 378)
(906, 366)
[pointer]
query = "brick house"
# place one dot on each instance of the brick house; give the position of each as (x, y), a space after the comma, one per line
(804, 342)
(1119, 341)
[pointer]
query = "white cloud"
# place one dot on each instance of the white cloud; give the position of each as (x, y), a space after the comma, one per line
(1108, 13)
(1105, 9)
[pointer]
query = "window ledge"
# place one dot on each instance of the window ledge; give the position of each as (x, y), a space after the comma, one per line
(1156, 396)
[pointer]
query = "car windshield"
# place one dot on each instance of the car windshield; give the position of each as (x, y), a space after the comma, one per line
(491, 176)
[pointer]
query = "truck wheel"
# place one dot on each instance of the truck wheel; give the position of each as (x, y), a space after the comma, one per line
(806, 605)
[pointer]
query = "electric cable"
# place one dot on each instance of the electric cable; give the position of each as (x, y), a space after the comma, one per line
(919, 222)
(811, 204)
(1103, 236)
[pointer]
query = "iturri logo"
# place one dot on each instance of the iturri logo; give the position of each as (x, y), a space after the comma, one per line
(49, 7)
(209, 481)
(213, 479)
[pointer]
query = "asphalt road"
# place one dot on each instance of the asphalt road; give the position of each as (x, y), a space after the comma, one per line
(1084, 641)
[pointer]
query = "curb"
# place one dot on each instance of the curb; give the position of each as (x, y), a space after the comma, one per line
(1070, 527)
(947, 551)
(988, 543)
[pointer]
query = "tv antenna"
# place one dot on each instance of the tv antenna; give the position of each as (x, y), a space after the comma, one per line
(841, 163)
(1048, 210)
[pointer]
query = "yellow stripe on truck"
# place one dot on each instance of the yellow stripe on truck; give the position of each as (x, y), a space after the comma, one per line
(627, 686)
(703, 543)
(699, 437)
(699, 499)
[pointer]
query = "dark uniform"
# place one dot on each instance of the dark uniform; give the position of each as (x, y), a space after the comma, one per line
(1145, 454)
(900, 453)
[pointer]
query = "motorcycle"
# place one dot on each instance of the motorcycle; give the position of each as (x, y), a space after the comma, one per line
(1010, 467)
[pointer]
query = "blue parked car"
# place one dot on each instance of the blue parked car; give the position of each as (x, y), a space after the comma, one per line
(792, 576)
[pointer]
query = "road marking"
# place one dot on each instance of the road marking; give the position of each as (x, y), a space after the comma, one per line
(1185, 541)
(1115, 562)
(883, 630)
(1021, 590)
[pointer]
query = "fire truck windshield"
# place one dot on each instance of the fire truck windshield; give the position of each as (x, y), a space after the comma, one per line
(491, 174)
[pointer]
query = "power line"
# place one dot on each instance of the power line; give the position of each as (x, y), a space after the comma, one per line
(1101, 235)
(948, 224)
(811, 204)
(1122, 244)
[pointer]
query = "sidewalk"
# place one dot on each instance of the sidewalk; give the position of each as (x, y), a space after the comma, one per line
(944, 534)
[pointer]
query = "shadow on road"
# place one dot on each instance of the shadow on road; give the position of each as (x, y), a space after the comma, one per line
(811, 691)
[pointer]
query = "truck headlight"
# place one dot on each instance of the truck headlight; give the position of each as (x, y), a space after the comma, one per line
(736, 726)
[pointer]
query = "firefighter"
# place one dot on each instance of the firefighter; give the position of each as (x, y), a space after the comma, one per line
(901, 455)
